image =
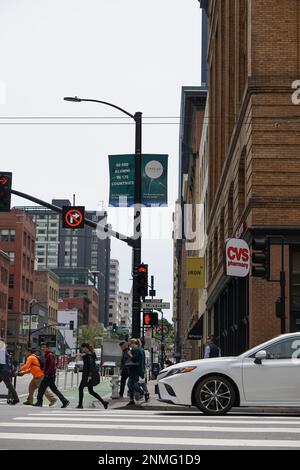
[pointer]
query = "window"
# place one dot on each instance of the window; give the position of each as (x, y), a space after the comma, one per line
(12, 256)
(64, 294)
(10, 303)
(11, 281)
(286, 349)
(7, 235)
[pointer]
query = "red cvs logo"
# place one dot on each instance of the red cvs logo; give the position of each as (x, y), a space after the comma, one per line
(240, 254)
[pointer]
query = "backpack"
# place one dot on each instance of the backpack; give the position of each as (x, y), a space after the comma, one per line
(41, 362)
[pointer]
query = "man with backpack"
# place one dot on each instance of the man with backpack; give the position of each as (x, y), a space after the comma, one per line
(34, 365)
(49, 378)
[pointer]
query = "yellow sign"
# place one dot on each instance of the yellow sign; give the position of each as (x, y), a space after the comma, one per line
(195, 273)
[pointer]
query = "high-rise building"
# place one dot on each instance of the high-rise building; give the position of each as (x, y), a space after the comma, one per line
(17, 239)
(125, 307)
(114, 308)
(58, 247)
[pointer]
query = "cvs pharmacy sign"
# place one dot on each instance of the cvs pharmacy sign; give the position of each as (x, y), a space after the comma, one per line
(237, 258)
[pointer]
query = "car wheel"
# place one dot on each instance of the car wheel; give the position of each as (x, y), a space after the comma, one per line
(214, 395)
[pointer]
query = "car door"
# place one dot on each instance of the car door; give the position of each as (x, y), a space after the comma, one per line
(277, 378)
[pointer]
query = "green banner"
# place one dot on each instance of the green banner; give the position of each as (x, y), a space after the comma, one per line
(154, 180)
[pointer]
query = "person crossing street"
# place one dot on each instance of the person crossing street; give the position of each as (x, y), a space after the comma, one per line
(49, 378)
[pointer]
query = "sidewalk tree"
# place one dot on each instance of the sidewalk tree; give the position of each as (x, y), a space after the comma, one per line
(92, 334)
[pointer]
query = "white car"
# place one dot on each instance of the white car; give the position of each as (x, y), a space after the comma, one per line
(267, 375)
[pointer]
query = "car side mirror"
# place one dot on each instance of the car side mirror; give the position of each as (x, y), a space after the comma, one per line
(260, 356)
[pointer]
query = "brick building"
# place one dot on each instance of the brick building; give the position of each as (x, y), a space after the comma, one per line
(4, 278)
(186, 301)
(45, 291)
(17, 239)
(253, 162)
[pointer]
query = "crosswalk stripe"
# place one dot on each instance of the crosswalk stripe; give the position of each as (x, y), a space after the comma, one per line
(135, 427)
(151, 420)
(168, 441)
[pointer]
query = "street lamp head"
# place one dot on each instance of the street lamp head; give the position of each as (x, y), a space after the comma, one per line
(74, 99)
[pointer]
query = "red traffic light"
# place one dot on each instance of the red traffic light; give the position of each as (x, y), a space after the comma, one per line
(143, 268)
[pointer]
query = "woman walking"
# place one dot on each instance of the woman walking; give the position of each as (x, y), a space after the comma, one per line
(88, 375)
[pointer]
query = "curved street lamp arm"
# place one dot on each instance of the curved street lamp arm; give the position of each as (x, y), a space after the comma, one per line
(77, 100)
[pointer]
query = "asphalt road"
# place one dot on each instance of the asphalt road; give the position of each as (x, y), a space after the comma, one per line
(95, 428)
(64, 382)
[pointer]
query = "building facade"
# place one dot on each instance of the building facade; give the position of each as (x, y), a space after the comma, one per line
(253, 163)
(187, 221)
(4, 282)
(125, 306)
(17, 239)
(114, 307)
(58, 247)
(80, 283)
(46, 292)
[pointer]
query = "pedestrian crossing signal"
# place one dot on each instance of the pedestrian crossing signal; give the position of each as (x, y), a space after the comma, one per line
(150, 318)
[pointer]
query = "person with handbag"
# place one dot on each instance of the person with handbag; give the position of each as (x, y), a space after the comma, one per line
(90, 375)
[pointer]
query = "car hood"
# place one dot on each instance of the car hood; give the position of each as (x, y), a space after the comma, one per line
(199, 362)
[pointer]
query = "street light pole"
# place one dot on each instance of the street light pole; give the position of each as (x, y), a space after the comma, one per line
(136, 259)
(137, 238)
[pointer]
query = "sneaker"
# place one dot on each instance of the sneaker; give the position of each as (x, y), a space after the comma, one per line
(131, 403)
(65, 404)
(79, 407)
(52, 402)
(27, 403)
(37, 404)
(105, 404)
(147, 396)
(14, 402)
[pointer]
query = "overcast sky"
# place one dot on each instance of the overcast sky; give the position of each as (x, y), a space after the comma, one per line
(136, 54)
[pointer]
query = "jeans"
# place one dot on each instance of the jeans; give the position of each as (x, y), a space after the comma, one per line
(124, 377)
(49, 381)
(5, 377)
(133, 385)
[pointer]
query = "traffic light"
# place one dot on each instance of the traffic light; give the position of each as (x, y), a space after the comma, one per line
(5, 191)
(114, 328)
(150, 318)
(261, 258)
(71, 325)
(142, 280)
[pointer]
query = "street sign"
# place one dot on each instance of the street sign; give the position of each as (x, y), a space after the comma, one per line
(73, 217)
(48, 338)
(30, 322)
(156, 304)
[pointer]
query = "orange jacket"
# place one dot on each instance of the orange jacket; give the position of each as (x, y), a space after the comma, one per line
(32, 366)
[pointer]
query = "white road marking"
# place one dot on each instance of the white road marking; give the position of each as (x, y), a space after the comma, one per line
(135, 427)
(149, 420)
(168, 441)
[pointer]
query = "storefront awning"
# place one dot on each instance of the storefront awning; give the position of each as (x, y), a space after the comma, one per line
(197, 331)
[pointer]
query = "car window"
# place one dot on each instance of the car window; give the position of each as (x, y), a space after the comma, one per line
(286, 349)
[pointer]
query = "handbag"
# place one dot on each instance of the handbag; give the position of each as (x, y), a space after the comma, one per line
(95, 378)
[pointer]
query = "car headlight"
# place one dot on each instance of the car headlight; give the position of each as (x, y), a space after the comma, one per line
(181, 370)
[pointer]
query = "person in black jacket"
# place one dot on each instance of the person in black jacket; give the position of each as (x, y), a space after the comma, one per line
(89, 369)
(124, 345)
